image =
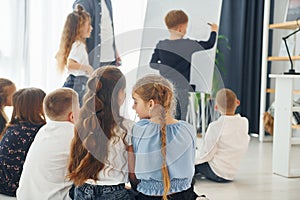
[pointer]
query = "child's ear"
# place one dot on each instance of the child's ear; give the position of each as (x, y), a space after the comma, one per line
(180, 27)
(71, 117)
(238, 102)
(151, 104)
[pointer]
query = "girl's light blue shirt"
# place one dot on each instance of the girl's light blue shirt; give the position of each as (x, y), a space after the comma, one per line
(181, 147)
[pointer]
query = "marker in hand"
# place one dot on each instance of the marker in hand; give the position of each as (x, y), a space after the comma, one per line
(213, 26)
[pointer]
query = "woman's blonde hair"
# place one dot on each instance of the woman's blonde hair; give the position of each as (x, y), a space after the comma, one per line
(72, 32)
(160, 90)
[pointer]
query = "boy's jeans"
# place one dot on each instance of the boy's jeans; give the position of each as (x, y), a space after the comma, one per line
(205, 170)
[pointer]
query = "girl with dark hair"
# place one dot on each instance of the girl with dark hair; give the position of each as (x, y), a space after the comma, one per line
(98, 160)
(27, 118)
(7, 89)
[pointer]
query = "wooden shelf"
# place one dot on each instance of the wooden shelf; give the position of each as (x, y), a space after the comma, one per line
(285, 25)
(282, 58)
(271, 90)
(296, 126)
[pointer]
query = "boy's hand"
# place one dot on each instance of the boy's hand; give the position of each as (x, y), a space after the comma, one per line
(213, 27)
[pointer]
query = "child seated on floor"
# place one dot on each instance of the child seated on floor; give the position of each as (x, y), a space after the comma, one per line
(99, 149)
(49, 153)
(225, 142)
(164, 148)
(26, 120)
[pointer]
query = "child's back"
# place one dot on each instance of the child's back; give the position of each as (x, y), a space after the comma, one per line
(49, 153)
(27, 118)
(172, 57)
(98, 160)
(180, 152)
(225, 142)
(232, 139)
(163, 146)
(177, 55)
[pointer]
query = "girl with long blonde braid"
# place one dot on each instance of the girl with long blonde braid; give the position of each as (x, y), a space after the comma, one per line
(164, 147)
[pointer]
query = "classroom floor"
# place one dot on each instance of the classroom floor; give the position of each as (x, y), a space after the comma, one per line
(255, 179)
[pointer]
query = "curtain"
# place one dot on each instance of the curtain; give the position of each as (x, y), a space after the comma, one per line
(31, 34)
(242, 23)
(12, 40)
(29, 39)
(45, 24)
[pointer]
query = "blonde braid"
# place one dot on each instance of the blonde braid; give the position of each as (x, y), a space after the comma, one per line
(162, 96)
(164, 169)
(160, 90)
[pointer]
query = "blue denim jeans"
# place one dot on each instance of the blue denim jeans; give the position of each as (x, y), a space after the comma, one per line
(101, 192)
(77, 83)
(205, 170)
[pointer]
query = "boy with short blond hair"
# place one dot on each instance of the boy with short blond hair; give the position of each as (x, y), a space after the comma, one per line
(226, 102)
(61, 104)
(45, 167)
(225, 142)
